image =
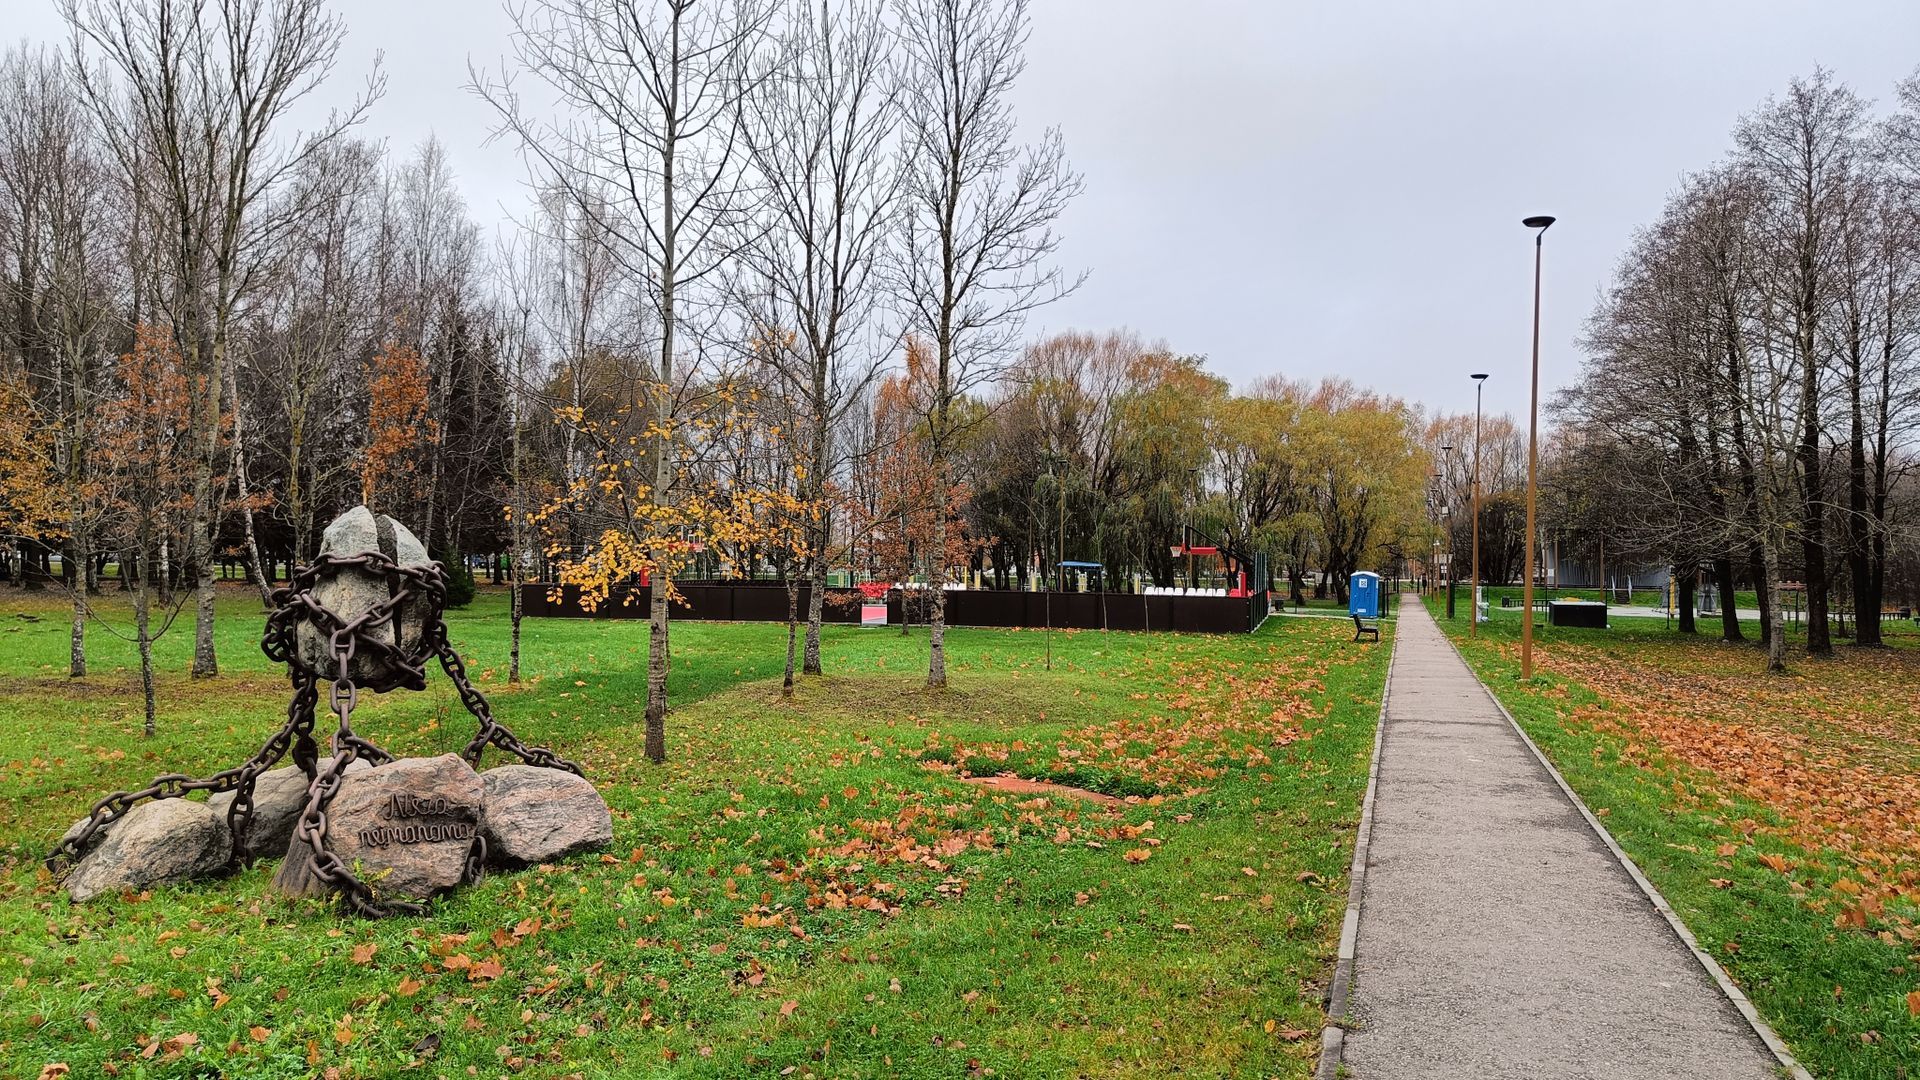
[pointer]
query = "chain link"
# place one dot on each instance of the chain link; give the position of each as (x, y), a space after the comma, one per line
(492, 732)
(476, 859)
(393, 666)
(238, 780)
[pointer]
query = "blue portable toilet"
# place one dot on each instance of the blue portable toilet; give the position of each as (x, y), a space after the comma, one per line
(1363, 595)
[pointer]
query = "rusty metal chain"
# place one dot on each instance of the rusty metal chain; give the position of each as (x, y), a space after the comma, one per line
(395, 665)
(492, 732)
(239, 779)
(476, 867)
(311, 829)
(296, 731)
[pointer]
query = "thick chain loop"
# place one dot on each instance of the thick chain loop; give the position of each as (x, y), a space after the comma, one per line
(239, 780)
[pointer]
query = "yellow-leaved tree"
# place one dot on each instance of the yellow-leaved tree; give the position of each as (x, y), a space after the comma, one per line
(29, 479)
(614, 526)
(1361, 456)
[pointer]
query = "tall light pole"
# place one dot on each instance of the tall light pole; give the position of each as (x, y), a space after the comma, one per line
(1473, 622)
(1540, 223)
(1436, 492)
(1050, 581)
(1446, 520)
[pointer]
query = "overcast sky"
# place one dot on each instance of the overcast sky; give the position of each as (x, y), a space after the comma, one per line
(1305, 187)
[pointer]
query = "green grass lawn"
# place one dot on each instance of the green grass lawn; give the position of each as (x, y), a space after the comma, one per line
(1779, 814)
(806, 888)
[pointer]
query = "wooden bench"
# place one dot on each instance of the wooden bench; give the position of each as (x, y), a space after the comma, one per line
(1539, 602)
(1361, 628)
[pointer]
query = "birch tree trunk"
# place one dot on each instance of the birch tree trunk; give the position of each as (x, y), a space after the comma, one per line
(142, 619)
(77, 646)
(261, 577)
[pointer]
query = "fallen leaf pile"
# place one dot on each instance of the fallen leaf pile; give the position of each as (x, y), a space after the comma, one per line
(1830, 750)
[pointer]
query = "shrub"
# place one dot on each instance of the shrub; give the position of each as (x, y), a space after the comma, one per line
(460, 586)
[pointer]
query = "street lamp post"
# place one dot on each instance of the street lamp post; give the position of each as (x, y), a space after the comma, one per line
(1446, 521)
(1434, 508)
(1473, 622)
(1540, 223)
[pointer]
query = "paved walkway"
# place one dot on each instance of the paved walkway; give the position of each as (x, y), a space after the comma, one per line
(1499, 938)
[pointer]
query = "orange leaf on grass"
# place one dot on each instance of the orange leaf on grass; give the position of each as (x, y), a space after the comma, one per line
(1273, 1027)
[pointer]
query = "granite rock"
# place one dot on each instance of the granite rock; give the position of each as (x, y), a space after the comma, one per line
(403, 828)
(278, 797)
(163, 842)
(349, 593)
(537, 815)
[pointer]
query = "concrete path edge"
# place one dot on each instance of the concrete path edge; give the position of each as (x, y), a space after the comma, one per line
(1333, 1036)
(1718, 974)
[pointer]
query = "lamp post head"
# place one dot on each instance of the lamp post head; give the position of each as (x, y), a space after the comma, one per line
(1481, 377)
(1539, 221)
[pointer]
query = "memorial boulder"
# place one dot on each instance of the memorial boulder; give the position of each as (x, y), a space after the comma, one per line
(406, 829)
(383, 834)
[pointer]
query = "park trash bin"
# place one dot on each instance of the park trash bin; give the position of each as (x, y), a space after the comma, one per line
(1363, 595)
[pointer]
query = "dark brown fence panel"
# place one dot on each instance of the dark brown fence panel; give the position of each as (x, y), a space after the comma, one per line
(701, 602)
(767, 602)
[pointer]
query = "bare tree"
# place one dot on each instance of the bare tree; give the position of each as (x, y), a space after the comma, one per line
(1877, 283)
(1686, 422)
(191, 94)
(819, 129)
(980, 210)
(58, 192)
(1881, 350)
(654, 151)
(434, 250)
(1803, 151)
(316, 323)
(520, 258)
